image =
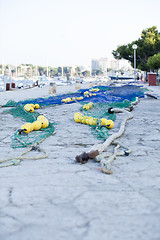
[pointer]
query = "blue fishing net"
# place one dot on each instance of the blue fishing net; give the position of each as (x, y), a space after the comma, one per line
(102, 95)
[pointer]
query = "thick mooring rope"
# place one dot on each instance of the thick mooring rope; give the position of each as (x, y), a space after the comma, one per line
(103, 146)
(97, 150)
(106, 164)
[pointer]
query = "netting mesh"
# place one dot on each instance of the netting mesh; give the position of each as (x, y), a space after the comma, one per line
(24, 115)
(100, 110)
(103, 98)
(104, 94)
(23, 139)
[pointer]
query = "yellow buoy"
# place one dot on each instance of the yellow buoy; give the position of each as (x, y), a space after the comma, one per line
(87, 120)
(90, 121)
(30, 125)
(32, 105)
(36, 106)
(93, 121)
(27, 127)
(27, 107)
(79, 98)
(110, 124)
(77, 114)
(68, 99)
(103, 121)
(41, 117)
(90, 104)
(44, 122)
(37, 125)
(83, 119)
(85, 107)
(31, 109)
(78, 118)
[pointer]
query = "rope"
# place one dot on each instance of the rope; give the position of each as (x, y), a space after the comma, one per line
(16, 160)
(103, 146)
(97, 150)
(106, 164)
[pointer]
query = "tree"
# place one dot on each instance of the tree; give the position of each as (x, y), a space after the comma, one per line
(78, 70)
(53, 72)
(154, 62)
(41, 70)
(99, 72)
(86, 73)
(59, 71)
(147, 45)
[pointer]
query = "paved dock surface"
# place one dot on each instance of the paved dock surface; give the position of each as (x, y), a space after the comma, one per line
(57, 198)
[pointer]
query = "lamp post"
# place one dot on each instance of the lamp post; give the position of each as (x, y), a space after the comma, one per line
(134, 47)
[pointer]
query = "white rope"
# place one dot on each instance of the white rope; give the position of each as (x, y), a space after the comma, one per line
(106, 165)
(103, 146)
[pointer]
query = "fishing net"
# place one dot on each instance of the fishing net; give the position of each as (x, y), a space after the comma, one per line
(100, 110)
(98, 94)
(23, 139)
(24, 115)
(115, 94)
(103, 97)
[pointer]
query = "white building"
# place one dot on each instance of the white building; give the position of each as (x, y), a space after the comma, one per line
(114, 64)
(103, 64)
(95, 65)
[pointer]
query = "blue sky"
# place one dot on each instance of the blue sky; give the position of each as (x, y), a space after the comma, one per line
(70, 32)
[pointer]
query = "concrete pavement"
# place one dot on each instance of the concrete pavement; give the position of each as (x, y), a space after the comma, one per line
(56, 198)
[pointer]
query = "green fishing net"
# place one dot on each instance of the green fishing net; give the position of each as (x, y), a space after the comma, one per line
(24, 115)
(10, 103)
(100, 110)
(24, 139)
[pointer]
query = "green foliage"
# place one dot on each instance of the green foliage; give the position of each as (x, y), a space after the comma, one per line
(147, 45)
(59, 70)
(86, 73)
(99, 72)
(53, 72)
(154, 62)
(41, 70)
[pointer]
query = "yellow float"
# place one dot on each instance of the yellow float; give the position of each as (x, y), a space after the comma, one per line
(44, 122)
(37, 125)
(110, 124)
(27, 127)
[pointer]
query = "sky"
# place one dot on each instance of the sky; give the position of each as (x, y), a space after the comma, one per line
(70, 32)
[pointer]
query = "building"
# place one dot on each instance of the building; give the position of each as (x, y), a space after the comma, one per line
(95, 65)
(114, 64)
(103, 64)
